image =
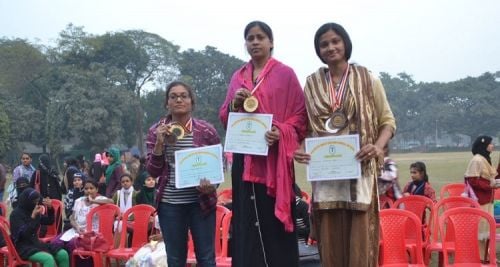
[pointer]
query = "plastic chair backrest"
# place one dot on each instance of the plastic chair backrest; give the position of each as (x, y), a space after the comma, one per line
(306, 197)
(419, 205)
(52, 228)
(443, 205)
(452, 190)
(465, 224)
(106, 215)
(497, 194)
(13, 258)
(226, 194)
(142, 217)
(221, 212)
(226, 226)
(385, 202)
(393, 228)
(3, 208)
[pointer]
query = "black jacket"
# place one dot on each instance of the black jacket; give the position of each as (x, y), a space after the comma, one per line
(24, 229)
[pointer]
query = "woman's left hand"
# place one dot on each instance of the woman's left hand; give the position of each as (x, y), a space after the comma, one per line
(369, 152)
(206, 187)
(272, 136)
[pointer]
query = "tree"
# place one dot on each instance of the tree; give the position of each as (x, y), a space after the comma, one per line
(209, 72)
(4, 131)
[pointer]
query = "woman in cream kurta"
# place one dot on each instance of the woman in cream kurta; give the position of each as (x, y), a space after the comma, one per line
(480, 174)
(345, 212)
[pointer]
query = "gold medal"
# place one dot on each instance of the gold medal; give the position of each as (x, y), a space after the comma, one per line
(176, 133)
(251, 104)
(337, 121)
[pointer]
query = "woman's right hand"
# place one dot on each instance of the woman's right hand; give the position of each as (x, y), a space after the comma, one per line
(161, 132)
(240, 96)
(37, 210)
(301, 156)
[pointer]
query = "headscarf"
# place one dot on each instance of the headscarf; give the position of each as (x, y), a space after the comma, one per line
(112, 165)
(21, 184)
(44, 163)
(26, 200)
(480, 147)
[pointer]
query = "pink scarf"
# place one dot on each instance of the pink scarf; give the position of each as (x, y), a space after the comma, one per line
(279, 94)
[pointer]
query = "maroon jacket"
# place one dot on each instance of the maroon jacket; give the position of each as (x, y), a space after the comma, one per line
(204, 134)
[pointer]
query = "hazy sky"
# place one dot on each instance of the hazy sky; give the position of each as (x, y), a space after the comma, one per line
(430, 39)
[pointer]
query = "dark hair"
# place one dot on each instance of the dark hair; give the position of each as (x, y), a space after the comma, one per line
(126, 175)
(189, 89)
(420, 166)
(27, 154)
(91, 181)
(263, 26)
(72, 161)
(338, 29)
(480, 146)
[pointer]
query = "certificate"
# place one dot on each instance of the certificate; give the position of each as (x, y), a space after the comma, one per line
(333, 158)
(194, 164)
(245, 133)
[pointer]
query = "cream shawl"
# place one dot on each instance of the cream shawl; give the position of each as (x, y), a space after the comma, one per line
(363, 118)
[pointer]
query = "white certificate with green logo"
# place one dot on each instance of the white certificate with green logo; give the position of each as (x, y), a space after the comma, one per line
(333, 158)
(194, 164)
(245, 133)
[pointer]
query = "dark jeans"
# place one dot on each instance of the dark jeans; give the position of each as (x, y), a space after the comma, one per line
(175, 220)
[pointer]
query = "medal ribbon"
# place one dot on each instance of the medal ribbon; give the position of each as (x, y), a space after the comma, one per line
(336, 98)
(188, 127)
(262, 75)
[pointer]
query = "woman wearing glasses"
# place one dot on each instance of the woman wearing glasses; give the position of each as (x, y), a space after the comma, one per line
(182, 209)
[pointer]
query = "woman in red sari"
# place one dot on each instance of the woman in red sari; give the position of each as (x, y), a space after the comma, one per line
(263, 197)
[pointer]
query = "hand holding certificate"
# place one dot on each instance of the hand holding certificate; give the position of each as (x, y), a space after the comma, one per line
(193, 165)
(333, 158)
(246, 133)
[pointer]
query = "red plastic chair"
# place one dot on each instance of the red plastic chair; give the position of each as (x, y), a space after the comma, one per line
(106, 215)
(385, 202)
(226, 194)
(224, 260)
(465, 223)
(142, 217)
(497, 194)
(3, 208)
(442, 205)
(420, 206)
(52, 229)
(9, 251)
(306, 197)
(393, 226)
(221, 212)
(452, 190)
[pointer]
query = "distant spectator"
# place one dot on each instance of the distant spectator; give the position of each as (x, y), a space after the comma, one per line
(147, 194)
(480, 176)
(134, 165)
(388, 184)
(302, 222)
(25, 169)
(142, 174)
(71, 169)
(73, 194)
(46, 179)
(21, 184)
(96, 170)
(420, 182)
(113, 172)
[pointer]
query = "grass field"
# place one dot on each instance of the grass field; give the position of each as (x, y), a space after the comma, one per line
(443, 168)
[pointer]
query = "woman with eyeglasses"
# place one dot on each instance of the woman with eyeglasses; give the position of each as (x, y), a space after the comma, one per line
(182, 209)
